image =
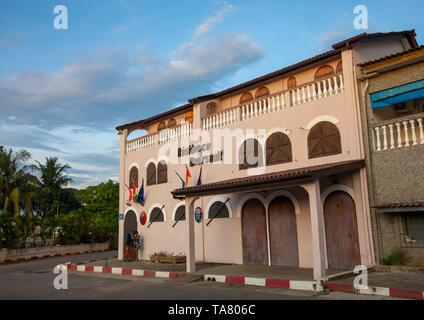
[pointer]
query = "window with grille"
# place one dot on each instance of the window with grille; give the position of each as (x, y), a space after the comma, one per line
(180, 213)
(218, 210)
(162, 172)
(278, 149)
(250, 154)
(414, 226)
(157, 215)
(133, 177)
(151, 174)
(324, 140)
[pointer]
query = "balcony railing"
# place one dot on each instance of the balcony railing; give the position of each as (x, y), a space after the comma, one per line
(399, 133)
(160, 137)
(300, 95)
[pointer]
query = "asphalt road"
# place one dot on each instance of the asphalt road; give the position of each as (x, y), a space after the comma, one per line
(33, 280)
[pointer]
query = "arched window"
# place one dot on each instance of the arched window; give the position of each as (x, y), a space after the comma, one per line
(250, 154)
(133, 177)
(180, 213)
(151, 174)
(172, 123)
(161, 126)
(246, 97)
(278, 149)
(162, 172)
(324, 140)
(218, 210)
(291, 83)
(339, 67)
(157, 215)
(324, 72)
(261, 92)
(211, 108)
(188, 116)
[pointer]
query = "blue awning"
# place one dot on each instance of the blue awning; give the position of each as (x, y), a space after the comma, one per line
(397, 95)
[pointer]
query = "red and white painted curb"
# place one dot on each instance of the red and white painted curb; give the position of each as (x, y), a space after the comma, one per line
(317, 286)
(124, 271)
(263, 282)
(49, 256)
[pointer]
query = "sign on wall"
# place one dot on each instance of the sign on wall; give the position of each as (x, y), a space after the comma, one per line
(143, 218)
(198, 214)
(121, 216)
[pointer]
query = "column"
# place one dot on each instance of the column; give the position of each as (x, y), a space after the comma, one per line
(315, 208)
(122, 152)
(189, 213)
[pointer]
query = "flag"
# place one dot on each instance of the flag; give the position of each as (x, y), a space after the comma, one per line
(188, 175)
(140, 195)
(131, 194)
(134, 190)
(199, 180)
(182, 181)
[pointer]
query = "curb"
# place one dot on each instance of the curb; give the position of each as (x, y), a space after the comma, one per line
(317, 286)
(123, 271)
(49, 256)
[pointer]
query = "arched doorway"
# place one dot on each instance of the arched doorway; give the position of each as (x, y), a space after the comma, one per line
(254, 233)
(283, 232)
(341, 231)
(130, 224)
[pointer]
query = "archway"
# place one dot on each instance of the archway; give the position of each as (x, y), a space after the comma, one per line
(341, 231)
(130, 224)
(254, 233)
(283, 232)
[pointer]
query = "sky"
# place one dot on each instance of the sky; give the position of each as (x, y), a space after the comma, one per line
(63, 91)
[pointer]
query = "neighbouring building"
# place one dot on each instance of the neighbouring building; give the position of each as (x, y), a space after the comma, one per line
(282, 164)
(392, 101)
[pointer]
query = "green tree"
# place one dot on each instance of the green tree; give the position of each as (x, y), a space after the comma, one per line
(17, 185)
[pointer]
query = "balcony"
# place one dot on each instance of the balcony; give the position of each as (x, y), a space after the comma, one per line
(398, 133)
(305, 93)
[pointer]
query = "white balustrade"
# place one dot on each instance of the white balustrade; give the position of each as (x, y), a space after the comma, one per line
(407, 134)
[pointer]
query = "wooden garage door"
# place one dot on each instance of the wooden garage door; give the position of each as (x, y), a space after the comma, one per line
(254, 233)
(283, 232)
(341, 231)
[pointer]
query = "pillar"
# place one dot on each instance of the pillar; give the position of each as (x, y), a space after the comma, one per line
(315, 208)
(190, 250)
(122, 152)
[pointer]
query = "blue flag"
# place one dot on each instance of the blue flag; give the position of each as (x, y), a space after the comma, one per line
(140, 196)
(199, 181)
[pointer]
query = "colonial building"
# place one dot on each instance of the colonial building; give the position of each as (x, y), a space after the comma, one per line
(392, 99)
(281, 157)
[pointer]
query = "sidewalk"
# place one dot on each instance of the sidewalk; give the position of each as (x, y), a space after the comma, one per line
(403, 285)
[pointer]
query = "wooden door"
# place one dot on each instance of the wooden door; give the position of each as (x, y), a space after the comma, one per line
(341, 231)
(130, 225)
(283, 232)
(254, 233)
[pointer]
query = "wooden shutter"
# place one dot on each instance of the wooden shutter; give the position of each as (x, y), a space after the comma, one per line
(133, 177)
(188, 116)
(339, 67)
(161, 126)
(180, 214)
(324, 72)
(250, 149)
(324, 140)
(278, 149)
(291, 83)
(262, 92)
(211, 108)
(172, 123)
(246, 97)
(151, 174)
(162, 172)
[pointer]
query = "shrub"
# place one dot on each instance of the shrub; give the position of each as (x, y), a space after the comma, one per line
(397, 257)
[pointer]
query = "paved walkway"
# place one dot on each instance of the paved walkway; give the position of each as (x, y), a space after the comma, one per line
(407, 281)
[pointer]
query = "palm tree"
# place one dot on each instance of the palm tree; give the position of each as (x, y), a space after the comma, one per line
(53, 174)
(17, 185)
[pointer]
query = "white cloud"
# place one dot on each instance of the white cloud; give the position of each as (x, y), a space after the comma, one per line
(209, 23)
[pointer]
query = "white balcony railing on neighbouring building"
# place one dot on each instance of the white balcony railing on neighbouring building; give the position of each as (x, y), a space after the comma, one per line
(160, 137)
(398, 134)
(302, 94)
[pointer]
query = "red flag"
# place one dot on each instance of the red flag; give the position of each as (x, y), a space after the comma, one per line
(134, 189)
(188, 175)
(131, 193)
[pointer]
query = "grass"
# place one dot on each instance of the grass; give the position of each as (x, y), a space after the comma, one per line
(397, 257)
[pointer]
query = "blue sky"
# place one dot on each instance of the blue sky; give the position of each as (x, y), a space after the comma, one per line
(62, 92)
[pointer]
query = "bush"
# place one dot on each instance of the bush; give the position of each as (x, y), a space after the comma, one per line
(397, 257)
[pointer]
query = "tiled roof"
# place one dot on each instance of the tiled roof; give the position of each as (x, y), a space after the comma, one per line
(391, 56)
(411, 204)
(266, 180)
